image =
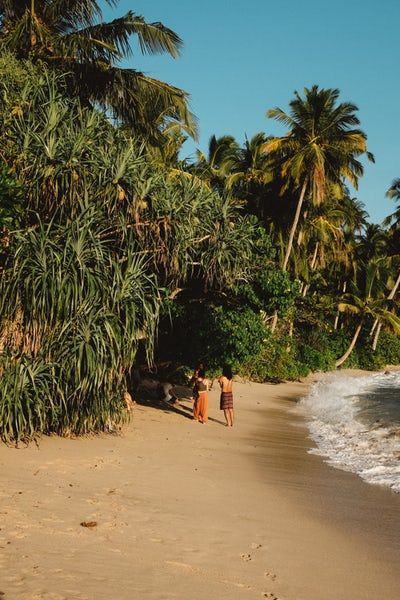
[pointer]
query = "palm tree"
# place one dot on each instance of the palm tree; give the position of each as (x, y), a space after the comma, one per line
(322, 237)
(392, 237)
(251, 164)
(215, 166)
(355, 216)
(345, 264)
(372, 242)
(70, 36)
(251, 175)
(366, 301)
(322, 146)
(394, 193)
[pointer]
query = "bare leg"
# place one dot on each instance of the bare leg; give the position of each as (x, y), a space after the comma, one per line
(227, 417)
(231, 416)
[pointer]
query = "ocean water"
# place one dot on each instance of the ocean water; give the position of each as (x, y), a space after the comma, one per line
(355, 424)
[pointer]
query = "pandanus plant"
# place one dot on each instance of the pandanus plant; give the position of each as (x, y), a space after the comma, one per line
(79, 299)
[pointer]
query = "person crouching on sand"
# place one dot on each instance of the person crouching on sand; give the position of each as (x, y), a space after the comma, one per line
(200, 407)
(226, 400)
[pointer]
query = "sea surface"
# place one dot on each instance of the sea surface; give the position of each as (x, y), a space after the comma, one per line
(355, 424)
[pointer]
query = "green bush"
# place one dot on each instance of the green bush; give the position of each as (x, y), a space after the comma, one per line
(389, 348)
(316, 360)
(79, 300)
(275, 362)
(28, 397)
(386, 353)
(215, 335)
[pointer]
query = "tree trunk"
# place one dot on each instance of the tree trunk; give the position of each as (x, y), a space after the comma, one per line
(33, 18)
(377, 324)
(374, 326)
(274, 321)
(394, 288)
(290, 243)
(312, 268)
(294, 226)
(336, 323)
(314, 258)
(346, 355)
(291, 329)
(376, 336)
(301, 232)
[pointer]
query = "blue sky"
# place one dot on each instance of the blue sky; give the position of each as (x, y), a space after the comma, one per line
(242, 58)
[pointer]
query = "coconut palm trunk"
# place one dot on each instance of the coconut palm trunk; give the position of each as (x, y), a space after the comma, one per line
(377, 326)
(290, 242)
(312, 268)
(294, 226)
(346, 355)
(376, 336)
(336, 323)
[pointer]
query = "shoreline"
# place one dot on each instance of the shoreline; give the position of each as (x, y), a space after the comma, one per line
(202, 511)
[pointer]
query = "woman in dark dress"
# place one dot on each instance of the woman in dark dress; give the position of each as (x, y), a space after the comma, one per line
(200, 407)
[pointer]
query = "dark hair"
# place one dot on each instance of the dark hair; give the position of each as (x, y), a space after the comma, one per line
(201, 373)
(227, 371)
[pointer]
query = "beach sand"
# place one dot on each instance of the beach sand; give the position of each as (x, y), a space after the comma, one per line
(185, 511)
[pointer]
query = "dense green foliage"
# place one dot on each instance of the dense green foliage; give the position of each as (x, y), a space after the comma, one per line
(73, 301)
(115, 253)
(107, 237)
(71, 38)
(11, 202)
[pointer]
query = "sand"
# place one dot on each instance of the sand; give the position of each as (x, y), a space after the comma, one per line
(188, 511)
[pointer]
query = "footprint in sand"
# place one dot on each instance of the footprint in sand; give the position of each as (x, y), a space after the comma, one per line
(270, 595)
(270, 575)
(246, 556)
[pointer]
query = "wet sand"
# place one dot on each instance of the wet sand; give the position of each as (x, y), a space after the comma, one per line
(185, 510)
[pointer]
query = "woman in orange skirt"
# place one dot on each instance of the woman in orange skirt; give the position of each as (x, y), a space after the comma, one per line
(200, 407)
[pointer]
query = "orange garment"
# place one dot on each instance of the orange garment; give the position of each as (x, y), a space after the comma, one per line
(200, 408)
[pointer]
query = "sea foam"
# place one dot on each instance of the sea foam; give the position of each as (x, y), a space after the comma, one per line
(355, 424)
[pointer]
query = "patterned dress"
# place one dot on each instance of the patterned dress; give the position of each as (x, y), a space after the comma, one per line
(226, 400)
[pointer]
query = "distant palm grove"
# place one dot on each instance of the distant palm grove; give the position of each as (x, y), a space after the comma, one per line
(116, 253)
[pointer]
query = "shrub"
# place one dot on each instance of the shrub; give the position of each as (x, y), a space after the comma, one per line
(214, 334)
(389, 348)
(316, 360)
(275, 363)
(72, 304)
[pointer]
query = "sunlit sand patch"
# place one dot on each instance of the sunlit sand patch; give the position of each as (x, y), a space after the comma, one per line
(182, 565)
(209, 575)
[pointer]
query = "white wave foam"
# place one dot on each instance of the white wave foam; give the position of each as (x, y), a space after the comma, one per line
(332, 410)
